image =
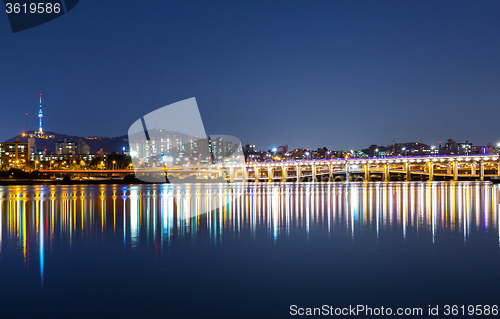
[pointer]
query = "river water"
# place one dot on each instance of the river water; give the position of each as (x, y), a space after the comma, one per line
(246, 250)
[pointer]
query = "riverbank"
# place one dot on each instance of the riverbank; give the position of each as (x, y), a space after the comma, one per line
(10, 182)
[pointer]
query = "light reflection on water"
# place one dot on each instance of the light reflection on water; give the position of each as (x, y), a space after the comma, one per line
(34, 218)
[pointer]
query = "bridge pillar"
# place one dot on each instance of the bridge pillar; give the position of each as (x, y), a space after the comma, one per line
(284, 173)
(498, 168)
(270, 172)
(367, 173)
(387, 173)
(256, 170)
(473, 169)
(313, 172)
(455, 171)
(231, 174)
(244, 174)
(298, 169)
(330, 173)
(448, 168)
(347, 174)
(408, 172)
(431, 171)
(481, 170)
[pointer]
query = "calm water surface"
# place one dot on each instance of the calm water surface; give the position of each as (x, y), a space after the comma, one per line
(245, 250)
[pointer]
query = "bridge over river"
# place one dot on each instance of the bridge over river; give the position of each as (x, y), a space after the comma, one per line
(415, 168)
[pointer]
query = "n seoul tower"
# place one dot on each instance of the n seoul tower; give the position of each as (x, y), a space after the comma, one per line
(40, 117)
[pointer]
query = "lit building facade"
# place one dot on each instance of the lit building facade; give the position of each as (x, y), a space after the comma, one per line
(14, 154)
(164, 147)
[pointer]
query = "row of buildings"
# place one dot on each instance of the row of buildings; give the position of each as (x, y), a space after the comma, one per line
(396, 149)
(163, 147)
(18, 154)
(166, 148)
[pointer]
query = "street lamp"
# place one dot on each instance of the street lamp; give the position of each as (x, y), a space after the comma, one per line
(376, 151)
(114, 162)
(36, 162)
(404, 150)
(50, 165)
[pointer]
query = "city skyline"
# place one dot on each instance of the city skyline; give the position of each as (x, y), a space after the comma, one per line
(264, 158)
(40, 132)
(340, 75)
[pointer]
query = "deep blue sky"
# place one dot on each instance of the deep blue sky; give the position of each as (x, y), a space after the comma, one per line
(340, 74)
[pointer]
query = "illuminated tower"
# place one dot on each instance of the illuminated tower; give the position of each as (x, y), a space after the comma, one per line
(40, 117)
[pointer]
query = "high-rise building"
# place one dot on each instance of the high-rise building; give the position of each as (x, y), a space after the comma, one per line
(66, 147)
(40, 117)
(13, 154)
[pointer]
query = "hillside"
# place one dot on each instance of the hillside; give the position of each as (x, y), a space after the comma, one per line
(108, 144)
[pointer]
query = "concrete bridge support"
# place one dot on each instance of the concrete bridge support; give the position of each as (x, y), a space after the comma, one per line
(257, 173)
(431, 171)
(387, 175)
(284, 173)
(244, 174)
(367, 173)
(330, 173)
(473, 169)
(270, 174)
(408, 171)
(299, 173)
(455, 171)
(313, 171)
(347, 174)
(481, 170)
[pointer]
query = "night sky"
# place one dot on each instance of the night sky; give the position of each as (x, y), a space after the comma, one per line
(340, 74)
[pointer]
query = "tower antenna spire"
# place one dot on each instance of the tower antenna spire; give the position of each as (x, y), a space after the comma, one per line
(40, 117)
